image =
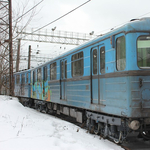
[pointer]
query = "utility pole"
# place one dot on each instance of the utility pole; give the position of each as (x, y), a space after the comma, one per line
(11, 85)
(18, 55)
(29, 57)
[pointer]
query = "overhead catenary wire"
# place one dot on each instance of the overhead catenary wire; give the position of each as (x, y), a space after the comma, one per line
(144, 14)
(62, 16)
(122, 23)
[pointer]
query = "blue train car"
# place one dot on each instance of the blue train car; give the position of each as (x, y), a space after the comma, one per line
(105, 82)
(22, 84)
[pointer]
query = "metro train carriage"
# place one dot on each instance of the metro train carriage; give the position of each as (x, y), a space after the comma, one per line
(22, 84)
(104, 82)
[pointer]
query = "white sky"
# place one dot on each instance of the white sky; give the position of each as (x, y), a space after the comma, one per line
(97, 15)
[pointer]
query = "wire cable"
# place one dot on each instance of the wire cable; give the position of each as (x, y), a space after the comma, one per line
(61, 16)
(144, 14)
(122, 23)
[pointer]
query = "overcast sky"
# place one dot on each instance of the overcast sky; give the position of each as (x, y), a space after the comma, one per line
(97, 15)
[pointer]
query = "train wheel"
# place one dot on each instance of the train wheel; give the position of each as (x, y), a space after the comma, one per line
(30, 103)
(26, 104)
(146, 135)
(40, 108)
(90, 125)
(46, 109)
(23, 103)
(36, 106)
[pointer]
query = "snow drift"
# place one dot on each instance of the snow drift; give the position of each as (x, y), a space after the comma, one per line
(23, 128)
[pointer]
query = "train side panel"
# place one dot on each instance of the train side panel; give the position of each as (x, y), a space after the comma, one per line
(22, 84)
(140, 96)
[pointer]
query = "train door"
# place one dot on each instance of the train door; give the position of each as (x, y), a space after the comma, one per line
(97, 68)
(28, 79)
(33, 79)
(22, 84)
(63, 77)
(94, 76)
(45, 82)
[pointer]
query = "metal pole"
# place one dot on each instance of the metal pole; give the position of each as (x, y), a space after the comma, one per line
(11, 85)
(18, 56)
(29, 57)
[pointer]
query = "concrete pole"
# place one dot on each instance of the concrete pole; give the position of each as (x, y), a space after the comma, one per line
(18, 56)
(29, 57)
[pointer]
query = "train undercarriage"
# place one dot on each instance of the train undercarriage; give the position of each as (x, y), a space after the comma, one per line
(111, 127)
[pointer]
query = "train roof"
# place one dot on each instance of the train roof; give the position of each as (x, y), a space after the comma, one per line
(22, 71)
(135, 25)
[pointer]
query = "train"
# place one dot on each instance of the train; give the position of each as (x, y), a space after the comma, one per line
(103, 83)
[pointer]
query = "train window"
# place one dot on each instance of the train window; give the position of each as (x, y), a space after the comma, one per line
(53, 73)
(143, 52)
(39, 75)
(66, 69)
(102, 60)
(121, 53)
(34, 77)
(27, 78)
(18, 79)
(45, 73)
(77, 64)
(95, 61)
(23, 79)
(62, 69)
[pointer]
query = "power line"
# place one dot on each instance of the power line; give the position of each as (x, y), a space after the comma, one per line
(124, 22)
(61, 16)
(144, 14)
(29, 10)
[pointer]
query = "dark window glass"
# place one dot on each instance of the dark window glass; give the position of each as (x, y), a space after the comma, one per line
(143, 52)
(95, 61)
(27, 78)
(102, 60)
(39, 75)
(34, 77)
(77, 64)
(121, 53)
(62, 69)
(31, 77)
(66, 69)
(18, 79)
(23, 79)
(45, 73)
(53, 73)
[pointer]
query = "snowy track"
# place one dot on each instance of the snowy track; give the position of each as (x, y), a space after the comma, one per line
(22, 128)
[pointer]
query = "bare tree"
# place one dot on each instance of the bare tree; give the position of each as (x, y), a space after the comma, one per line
(18, 19)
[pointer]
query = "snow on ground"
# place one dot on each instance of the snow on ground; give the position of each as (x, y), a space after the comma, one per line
(23, 128)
